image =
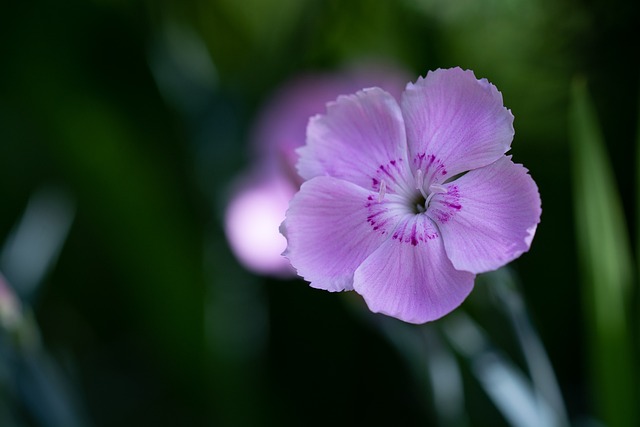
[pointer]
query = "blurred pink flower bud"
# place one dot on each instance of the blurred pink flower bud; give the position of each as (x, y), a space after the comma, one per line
(252, 219)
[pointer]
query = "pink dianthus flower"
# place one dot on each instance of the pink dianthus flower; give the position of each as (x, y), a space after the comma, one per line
(406, 202)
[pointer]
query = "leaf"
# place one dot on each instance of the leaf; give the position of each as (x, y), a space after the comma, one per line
(606, 261)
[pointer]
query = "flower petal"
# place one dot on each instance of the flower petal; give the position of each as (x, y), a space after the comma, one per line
(487, 217)
(411, 278)
(329, 233)
(456, 118)
(359, 134)
(282, 125)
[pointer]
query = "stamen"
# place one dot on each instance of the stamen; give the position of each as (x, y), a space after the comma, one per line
(383, 190)
(419, 179)
(435, 189)
(420, 182)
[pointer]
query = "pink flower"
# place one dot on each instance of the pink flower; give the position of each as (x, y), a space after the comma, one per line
(252, 218)
(406, 202)
(261, 196)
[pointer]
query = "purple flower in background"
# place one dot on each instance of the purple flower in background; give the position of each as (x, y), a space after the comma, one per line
(252, 218)
(406, 202)
(261, 196)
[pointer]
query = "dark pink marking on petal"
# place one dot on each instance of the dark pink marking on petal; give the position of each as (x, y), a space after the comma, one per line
(375, 184)
(444, 206)
(415, 229)
(379, 215)
(414, 232)
(393, 174)
(432, 167)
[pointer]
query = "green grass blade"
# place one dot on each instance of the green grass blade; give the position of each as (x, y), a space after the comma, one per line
(636, 319)
(606, 262)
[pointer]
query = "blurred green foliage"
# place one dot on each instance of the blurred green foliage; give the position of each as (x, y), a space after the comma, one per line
(146, 312)
(607, 265)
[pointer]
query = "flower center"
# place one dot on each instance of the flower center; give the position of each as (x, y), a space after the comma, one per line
(421, 201)
(419, 205)
(401, 197)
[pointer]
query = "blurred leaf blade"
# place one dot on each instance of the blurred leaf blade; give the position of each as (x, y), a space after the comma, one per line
(606, 262)
(637, 287)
